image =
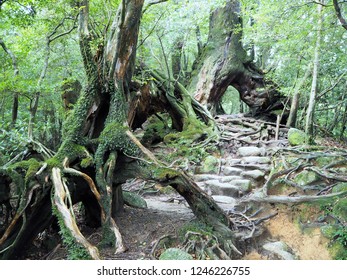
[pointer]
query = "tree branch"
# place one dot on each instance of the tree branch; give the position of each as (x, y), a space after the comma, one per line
(151, 4)
(339, 14)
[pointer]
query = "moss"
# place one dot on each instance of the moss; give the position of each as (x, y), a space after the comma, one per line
(155, 132)
(340, 209)
(340, 187)
(297, 137)
(134, 200)
(114, 137)
(305, 178)
(86, 162)
(175, 254)
(164, 174)
(195, 226)
(75, 250)
(31, 166)
(53, 162)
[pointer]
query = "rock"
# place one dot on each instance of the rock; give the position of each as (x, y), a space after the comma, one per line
(243, 184)
(305, 178)
(297, 137)
(279, 249)
(255, 160)
(210, 165)
(205, 177)
(253, 174)
(175, 254)
(232, 161)
(229, 179)
(224, 199)
(227, 170)
(250, 151)
(134, 200)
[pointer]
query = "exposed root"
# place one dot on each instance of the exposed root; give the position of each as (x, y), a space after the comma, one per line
(67, 217)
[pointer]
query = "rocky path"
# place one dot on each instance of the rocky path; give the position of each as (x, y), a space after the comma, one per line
(228, 179)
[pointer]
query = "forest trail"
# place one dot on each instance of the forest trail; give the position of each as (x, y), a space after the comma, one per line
(248, 146)
(243, 167)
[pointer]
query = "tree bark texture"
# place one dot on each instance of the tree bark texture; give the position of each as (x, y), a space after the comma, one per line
(224, 63)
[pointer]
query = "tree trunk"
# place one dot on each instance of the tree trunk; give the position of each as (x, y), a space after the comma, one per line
(313, 93)
(294, 107)
(224, 62)
(16, 72)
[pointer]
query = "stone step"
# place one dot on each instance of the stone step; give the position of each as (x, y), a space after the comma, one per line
(250, 151)
(233, 189)
(230, 179)
(225, 202)
(206, 177)
(263, 167)
(256, 175)
(231, 171)
(256, 160)
(230, 161)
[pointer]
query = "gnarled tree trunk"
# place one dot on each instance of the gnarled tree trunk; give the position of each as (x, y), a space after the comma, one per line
(224, 62)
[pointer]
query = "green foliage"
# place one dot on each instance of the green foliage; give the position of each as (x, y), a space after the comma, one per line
(337, 233)
(12, 140)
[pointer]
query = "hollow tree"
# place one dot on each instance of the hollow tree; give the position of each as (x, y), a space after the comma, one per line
(224, 62)
(99, 152)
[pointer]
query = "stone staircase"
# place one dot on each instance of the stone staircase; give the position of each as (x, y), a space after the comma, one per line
(233, 177)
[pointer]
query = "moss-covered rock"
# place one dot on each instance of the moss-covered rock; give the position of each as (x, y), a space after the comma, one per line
(134, 200)
(175, 254)
(297, 137)
(210, 165)
(305, 178)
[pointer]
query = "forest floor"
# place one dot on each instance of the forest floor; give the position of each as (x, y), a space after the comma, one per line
(167, 213)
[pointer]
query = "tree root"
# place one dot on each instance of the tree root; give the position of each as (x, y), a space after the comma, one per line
(66, 216)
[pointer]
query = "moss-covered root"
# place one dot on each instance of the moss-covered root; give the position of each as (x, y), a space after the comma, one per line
(202, 205)
(71, 233)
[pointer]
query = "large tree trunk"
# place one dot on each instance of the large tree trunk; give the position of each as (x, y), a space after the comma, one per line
(224, 63)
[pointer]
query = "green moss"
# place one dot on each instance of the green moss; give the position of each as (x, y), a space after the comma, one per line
(195, 226)
(31, 166)
(175, 254)
(305, 178)
(340, 187)
(86, 162)
(114, 137)
(155, 132)
(75, 250)
(134, 200)
(53, 162)
(164, 174)
(297, 137)
(340, 209)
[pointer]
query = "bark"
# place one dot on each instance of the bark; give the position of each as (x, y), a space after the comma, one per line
(339, 14)
(224, 63)
(313, 93)
(15, 72)
(294, 107)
